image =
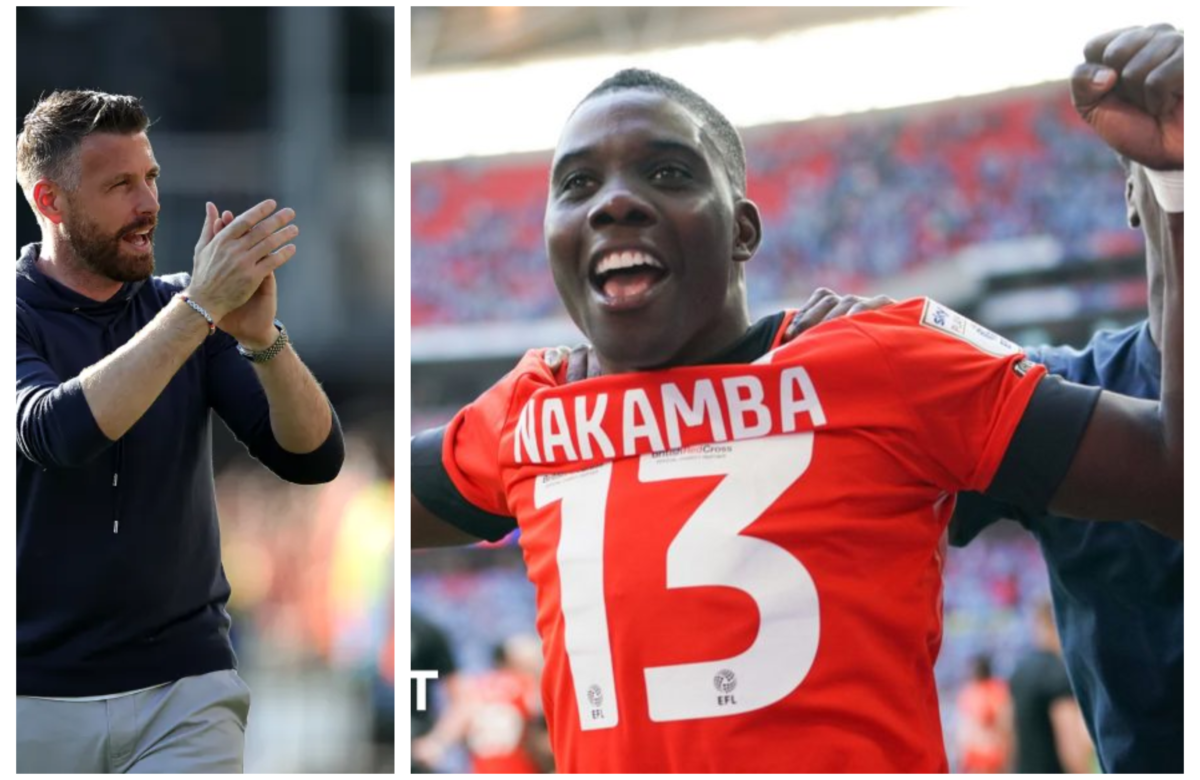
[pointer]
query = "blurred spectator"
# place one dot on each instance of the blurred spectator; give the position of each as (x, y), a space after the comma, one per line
(312, 576)
(984, 721)
(1051, 735)
(496, 715)
(505, 730)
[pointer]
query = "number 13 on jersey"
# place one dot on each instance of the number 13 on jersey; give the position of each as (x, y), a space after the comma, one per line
(707, 551)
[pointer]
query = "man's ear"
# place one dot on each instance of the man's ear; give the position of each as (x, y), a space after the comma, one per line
(48, 200)
(748, 229)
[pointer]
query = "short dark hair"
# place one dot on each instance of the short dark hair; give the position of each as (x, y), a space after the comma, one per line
(48, 144)
(723, 134)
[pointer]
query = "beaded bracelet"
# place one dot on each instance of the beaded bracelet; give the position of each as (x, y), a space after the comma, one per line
(212, 326)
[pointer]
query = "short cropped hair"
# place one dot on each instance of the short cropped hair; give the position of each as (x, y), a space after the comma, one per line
(722, 132)
(48, 145)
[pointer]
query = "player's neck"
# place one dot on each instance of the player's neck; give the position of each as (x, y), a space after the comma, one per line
(705, 347)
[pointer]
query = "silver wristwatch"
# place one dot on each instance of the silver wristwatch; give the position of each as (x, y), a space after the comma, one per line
(263, 356)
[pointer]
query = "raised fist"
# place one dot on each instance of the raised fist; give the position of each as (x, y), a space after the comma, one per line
(1129, 89)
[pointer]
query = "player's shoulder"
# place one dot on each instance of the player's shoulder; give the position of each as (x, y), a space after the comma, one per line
(544, 364)
(918, 334)
(535, 370)
(862, 329)
(925, 317)
(496, 409)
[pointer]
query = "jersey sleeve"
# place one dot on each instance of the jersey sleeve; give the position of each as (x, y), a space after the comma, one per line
(965, 390)
(456, 470)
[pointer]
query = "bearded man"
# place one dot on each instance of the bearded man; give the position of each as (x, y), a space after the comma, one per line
(124, 662)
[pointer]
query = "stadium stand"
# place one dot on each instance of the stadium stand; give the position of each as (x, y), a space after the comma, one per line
(911, 188)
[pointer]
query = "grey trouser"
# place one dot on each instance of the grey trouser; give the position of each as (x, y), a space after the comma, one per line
(197, 724)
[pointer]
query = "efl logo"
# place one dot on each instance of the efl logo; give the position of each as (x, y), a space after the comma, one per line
(725, 682)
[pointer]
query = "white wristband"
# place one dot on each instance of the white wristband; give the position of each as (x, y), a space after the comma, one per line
(1168, 189)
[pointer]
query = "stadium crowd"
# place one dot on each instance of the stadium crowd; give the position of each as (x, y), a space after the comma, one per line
(912, 187)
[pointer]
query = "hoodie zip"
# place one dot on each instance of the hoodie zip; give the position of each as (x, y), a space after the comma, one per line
(119, 445)
(116, 489)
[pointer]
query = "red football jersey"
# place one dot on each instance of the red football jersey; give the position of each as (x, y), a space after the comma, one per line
(739, 567)
(500, 715)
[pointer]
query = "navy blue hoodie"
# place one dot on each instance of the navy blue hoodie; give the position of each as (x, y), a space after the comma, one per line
(119, 577)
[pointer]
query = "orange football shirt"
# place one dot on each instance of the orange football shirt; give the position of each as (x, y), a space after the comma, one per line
(739, 567)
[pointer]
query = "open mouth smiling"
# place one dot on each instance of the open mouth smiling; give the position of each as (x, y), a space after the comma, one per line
(626, 278)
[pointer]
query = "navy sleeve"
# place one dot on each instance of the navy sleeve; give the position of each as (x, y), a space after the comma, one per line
(55, 425)
(1044, 444)
(436, 491)
(238, 397)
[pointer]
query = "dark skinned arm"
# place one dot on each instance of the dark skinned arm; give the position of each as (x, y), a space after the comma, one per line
(429, 530)
(1130, 461)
